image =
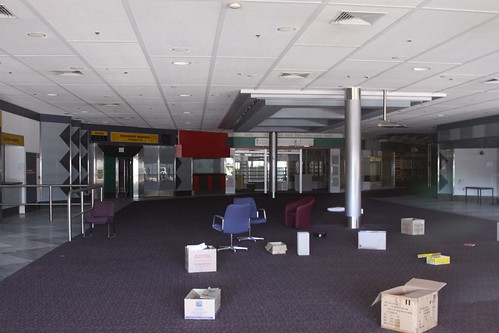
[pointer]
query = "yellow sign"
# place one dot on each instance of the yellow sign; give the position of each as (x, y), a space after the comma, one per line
(12, 139)
(99, 133)
(134, 137)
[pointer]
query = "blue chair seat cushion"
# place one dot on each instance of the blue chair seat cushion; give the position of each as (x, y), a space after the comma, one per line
(258, 220)
(218, 226)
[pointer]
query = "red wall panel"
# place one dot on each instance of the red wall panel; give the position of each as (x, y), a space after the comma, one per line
(199, 144)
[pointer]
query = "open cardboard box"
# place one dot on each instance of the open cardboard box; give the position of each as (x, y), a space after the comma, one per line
(276, 247)
(202, 303)
(412, 307)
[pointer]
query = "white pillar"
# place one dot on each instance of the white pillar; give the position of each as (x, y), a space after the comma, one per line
(353, 163)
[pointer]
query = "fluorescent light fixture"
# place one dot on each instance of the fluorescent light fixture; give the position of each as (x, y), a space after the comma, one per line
(421, 69)
(234, 5)
(36, 34)
(180, 49)
(286, 29)
(181, 63)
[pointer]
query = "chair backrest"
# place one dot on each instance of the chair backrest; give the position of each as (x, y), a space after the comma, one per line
(103, 208)
(251, 202)
(236, 219)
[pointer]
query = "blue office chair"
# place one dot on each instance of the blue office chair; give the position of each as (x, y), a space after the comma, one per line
(257, 216)
(236, 220)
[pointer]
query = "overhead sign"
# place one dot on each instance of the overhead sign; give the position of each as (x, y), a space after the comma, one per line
(134, 137)
(98, 136)
(12, 139)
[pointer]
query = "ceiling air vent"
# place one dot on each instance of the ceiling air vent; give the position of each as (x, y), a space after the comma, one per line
(294, 75)
(67, 72)
(5, 13)
(492, 81)
(357, 18)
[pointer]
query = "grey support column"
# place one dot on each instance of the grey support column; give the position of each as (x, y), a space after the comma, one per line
(273, 162)
(352, 148)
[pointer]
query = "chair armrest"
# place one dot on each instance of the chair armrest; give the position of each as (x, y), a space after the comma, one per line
(262, 212)
(218, 218)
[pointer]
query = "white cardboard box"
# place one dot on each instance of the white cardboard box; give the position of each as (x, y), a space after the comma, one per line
(303, 243)
(276, 247)
(372, 240)
(202, 303)
(412, 307)
(412, 226)
(200, 258)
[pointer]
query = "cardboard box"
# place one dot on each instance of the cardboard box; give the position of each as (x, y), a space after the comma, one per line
(372, 240)
(412, 307)
(202, 303)
(412, 226)
(438, 260)
(200, 258)
(276, 247)
(303, 243)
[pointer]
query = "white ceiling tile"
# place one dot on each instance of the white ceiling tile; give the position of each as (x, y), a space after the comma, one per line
(185, 93)
(80, 20)
(135, 90)
(314, 58)
(482, 5)
(402, 76)
(351, 74)
(418, 33)
(194, 24)
(466, 46)
(93, 93)
(112, 55)
(222, 95)
(252, 31)
(196, 73)
(139, 76)
(180, 108)
(242, 72)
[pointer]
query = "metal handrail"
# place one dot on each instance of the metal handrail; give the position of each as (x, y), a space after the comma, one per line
(50, 203)
(82, 211)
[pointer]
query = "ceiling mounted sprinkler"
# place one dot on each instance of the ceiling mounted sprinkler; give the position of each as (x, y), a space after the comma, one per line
(385, 123)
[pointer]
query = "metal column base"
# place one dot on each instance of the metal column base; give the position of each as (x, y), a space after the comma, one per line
(353, 222)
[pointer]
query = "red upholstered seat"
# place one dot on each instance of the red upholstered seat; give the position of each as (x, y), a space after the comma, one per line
(298, 213)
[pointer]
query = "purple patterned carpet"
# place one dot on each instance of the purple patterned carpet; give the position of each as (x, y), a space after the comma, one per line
(136, 282)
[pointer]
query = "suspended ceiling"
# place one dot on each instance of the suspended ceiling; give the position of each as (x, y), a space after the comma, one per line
(194, 64)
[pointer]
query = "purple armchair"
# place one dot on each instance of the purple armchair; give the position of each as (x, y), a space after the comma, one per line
(102, 213)
(298, 213)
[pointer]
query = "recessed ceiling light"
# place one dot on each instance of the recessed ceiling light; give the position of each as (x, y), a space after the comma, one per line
(234, 5)
(185, 95)
(187, 112)
(52, 94)
(286, 29)
(180, 49)
(181, 63)
(37, 34)
(421, 69)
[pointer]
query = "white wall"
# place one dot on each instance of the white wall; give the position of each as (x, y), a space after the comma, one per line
(474, 169)
(30, 129)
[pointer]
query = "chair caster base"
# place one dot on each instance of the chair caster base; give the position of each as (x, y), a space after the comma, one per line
(250, 238)
(233, 248)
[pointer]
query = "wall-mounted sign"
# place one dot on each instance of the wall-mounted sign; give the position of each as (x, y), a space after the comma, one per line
(134, 137)
(98, 136)
(12, 139)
